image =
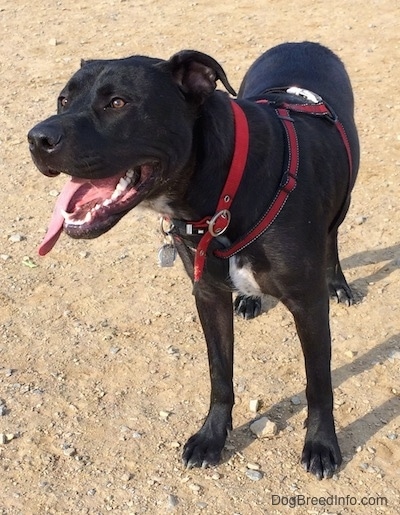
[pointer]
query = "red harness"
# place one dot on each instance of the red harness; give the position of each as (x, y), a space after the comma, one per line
(214, 226)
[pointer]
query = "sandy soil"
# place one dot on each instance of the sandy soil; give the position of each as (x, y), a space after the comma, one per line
(103, 371)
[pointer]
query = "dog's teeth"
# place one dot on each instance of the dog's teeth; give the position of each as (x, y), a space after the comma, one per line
(123, 184)
(65, 214)
(68, 217)
(88, 217)
(116, 194)
(97, 207)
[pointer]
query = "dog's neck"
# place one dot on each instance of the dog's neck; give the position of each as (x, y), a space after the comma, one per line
(212, 154)
(195, 192)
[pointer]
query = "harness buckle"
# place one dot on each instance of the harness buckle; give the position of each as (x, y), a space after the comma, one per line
(305, 93)
(222, 218)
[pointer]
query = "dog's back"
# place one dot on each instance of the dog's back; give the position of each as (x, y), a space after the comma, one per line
(310, 66)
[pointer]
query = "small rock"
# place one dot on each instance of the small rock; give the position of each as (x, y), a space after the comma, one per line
(70, 451)
(3, 410)
(83, 254)
(295, 400)
(202, 505)
(174, 352)
(395, 354)
(164, 414)
(350, 353)
(8, 372)
(195, 488)
(360, 220)
(392, 436)
(254, 405)
(15, 238)
(339, 402)
(54, 193)
(114, 350)
(10, 436)
(91, 492)
(264, 428)
(216, 476)
(175, 445)
(364, 466)
(3, 439)
(172, 501)
(53, 42)
(136, 435)
(359, 448)
(5, 257)
(254, 475)
(126, 477)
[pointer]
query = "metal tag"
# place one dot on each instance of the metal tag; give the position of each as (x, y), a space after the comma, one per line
(167, 255)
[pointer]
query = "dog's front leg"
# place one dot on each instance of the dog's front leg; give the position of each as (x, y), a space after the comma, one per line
(321, 453)
(216, 316)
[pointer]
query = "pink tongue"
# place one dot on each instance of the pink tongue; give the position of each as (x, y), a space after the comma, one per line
(56, 223)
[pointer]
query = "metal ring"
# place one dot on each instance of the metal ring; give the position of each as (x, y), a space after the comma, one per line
(224, 213)
(164, 231)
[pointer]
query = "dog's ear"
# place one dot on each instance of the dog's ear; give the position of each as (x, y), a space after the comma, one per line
(196, 74)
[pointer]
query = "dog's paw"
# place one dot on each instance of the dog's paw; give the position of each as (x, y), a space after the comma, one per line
(201, 450)
(321, 456)
(341, 292)
(247, 307)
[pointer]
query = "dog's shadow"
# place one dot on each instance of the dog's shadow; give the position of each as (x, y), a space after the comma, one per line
(353, 435)
(369, 257)
(361, 430)
(361, 285)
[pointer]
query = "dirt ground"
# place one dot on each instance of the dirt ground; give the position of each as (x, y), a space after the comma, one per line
(103, 370)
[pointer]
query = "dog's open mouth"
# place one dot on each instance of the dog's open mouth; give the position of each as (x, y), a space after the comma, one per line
(88, 208)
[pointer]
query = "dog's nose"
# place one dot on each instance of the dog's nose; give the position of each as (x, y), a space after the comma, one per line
(45, 139)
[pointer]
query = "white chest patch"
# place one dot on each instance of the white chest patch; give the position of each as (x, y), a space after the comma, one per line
(243, 278)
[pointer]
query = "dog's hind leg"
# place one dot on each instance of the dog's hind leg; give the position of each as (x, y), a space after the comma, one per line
(247, 307)
(321, 453)
(216, 316)
(338, 287)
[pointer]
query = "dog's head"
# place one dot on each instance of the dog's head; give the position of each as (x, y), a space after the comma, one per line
(123, 132)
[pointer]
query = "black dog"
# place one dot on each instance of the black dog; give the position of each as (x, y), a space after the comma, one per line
(144, 130)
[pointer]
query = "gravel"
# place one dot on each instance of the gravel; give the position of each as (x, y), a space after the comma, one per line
(264, 428)
(254, 475)
(16, 238)
(173, 501)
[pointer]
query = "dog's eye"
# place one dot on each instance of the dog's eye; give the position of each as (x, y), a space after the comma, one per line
(117, 103)
(63, 101)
